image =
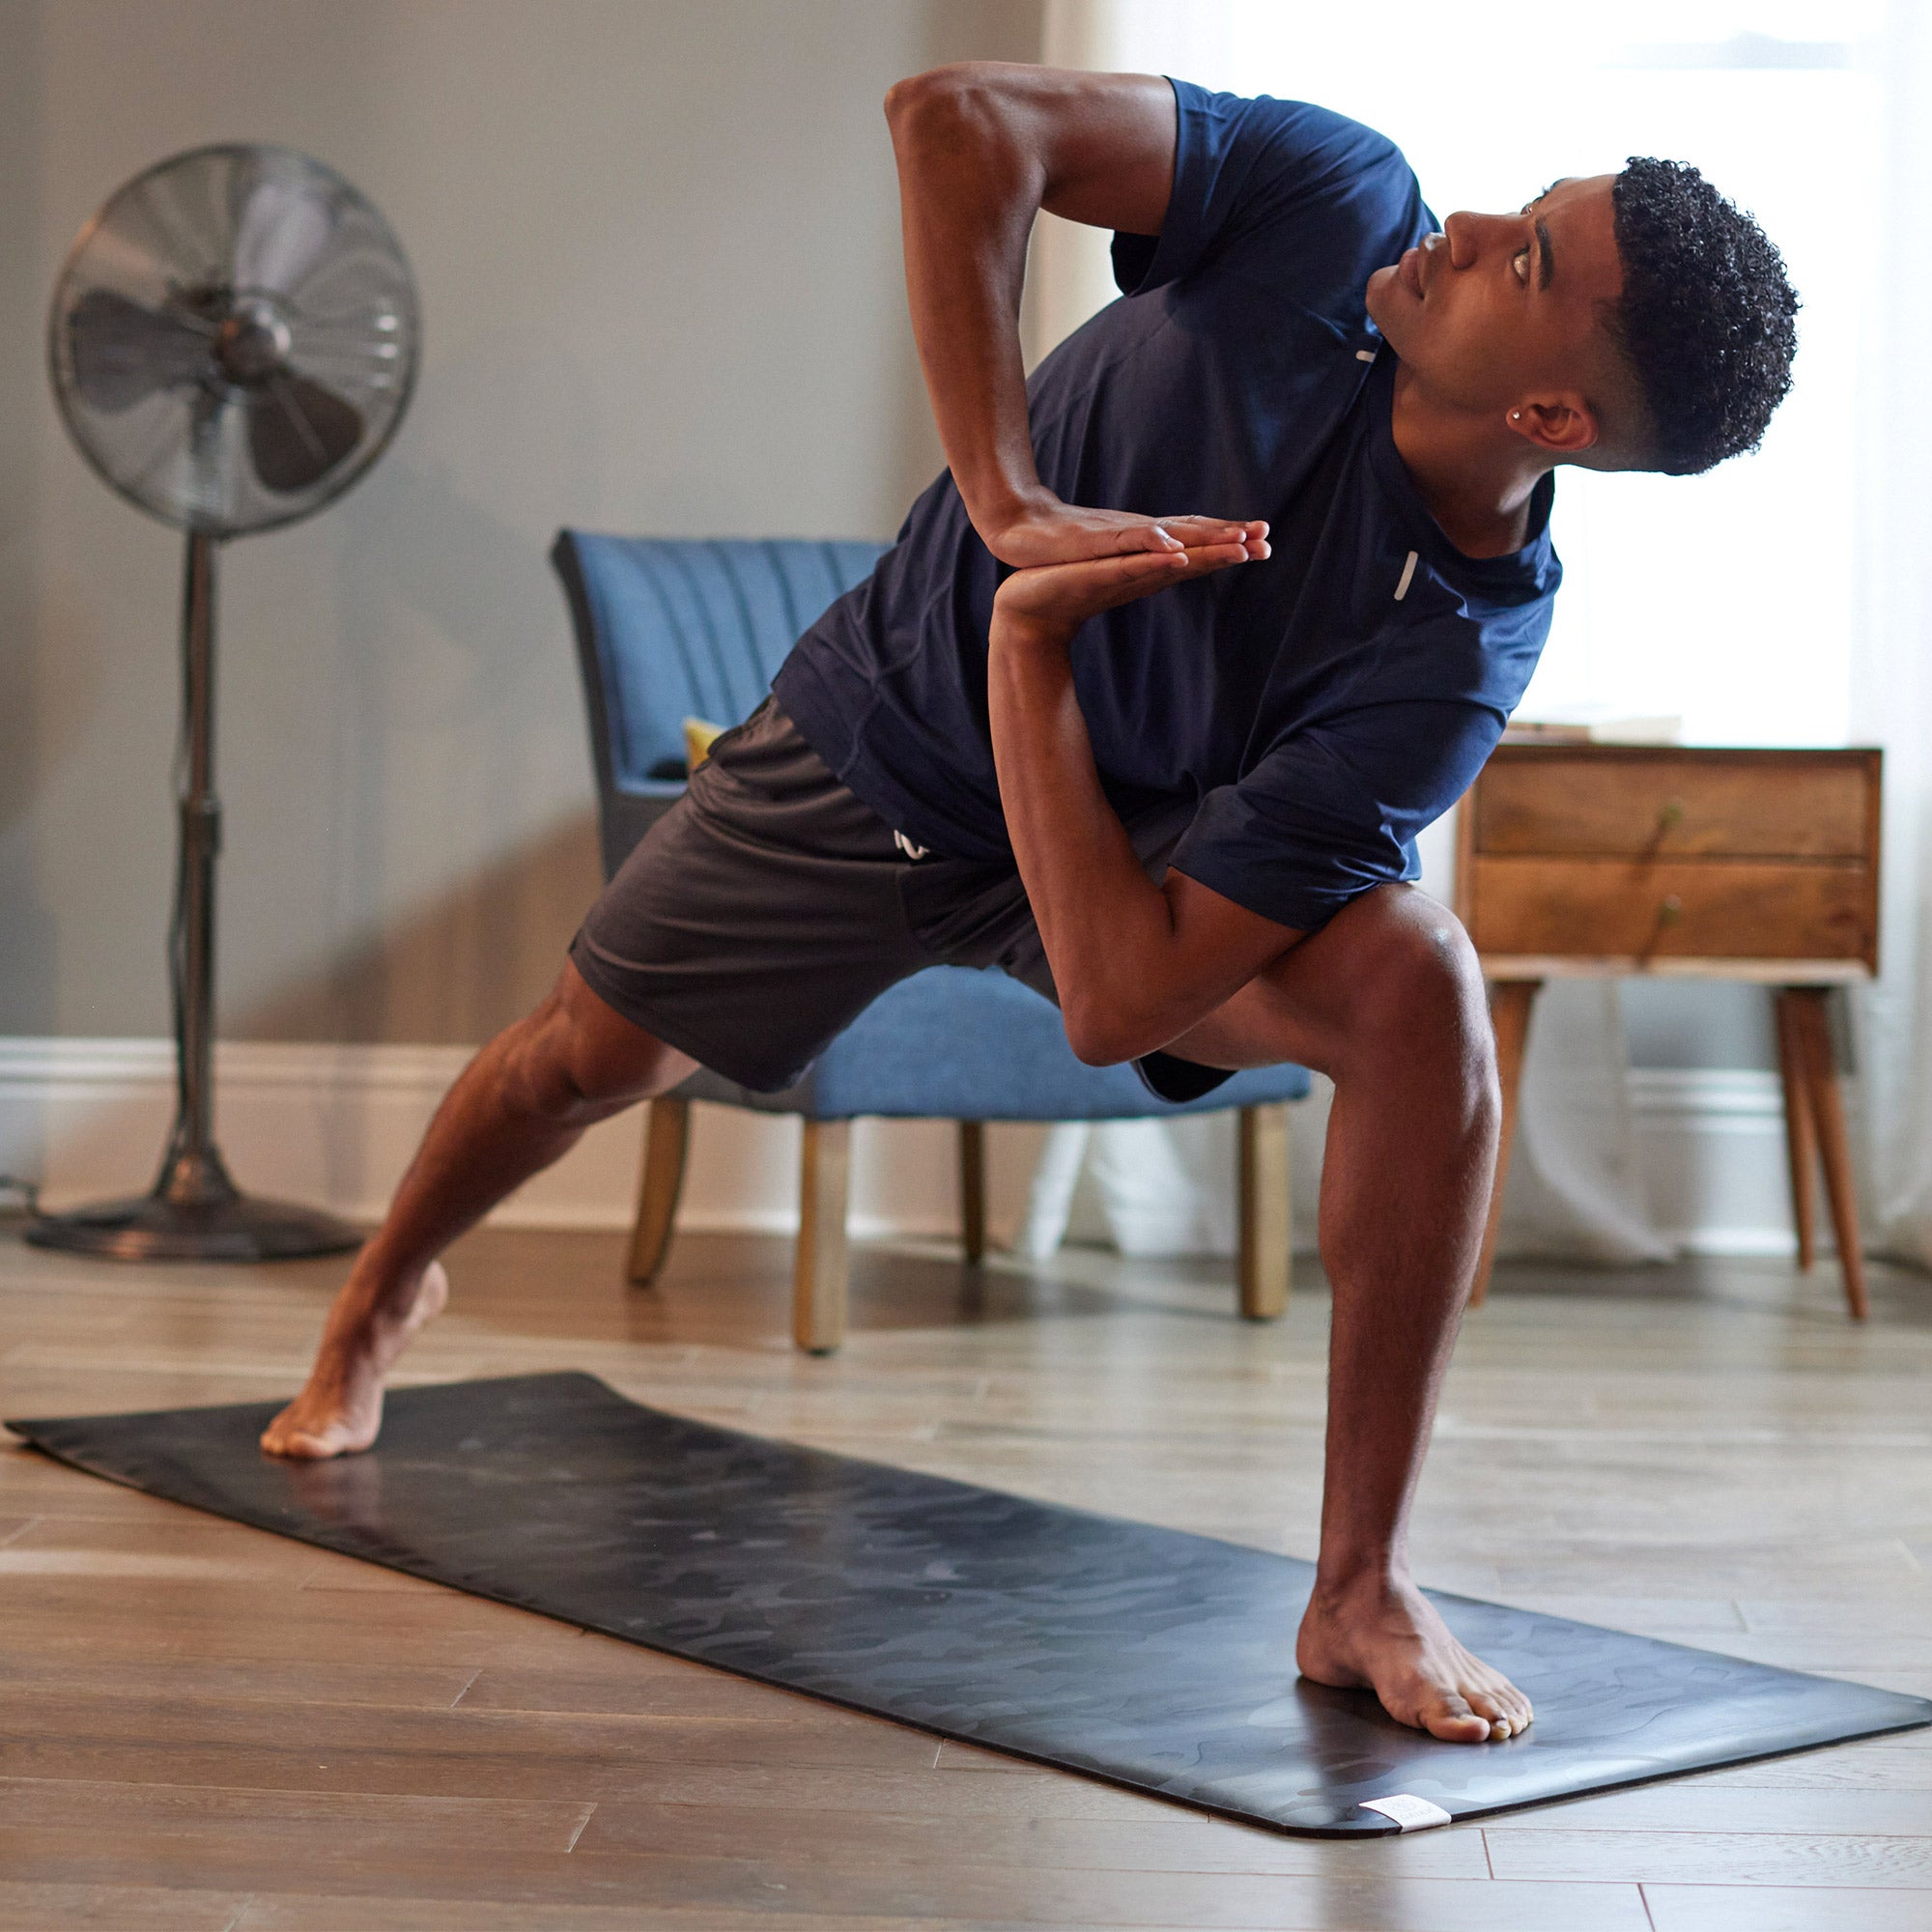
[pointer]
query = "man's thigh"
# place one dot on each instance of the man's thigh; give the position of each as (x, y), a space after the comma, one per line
(757, 917)
(1312, 1003)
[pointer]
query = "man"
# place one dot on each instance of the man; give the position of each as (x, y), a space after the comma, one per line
(1167, 769)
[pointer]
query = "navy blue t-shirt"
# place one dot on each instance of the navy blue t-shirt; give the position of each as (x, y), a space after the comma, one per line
(1317, 710)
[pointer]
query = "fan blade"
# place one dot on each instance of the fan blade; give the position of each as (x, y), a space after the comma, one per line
(122, 352)
(298, 431)
(285, 225)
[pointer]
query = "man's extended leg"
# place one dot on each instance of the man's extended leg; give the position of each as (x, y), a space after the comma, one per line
(1388, 1001)
(522, 1103)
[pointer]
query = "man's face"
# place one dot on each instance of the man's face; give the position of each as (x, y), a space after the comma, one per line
(1501, 309)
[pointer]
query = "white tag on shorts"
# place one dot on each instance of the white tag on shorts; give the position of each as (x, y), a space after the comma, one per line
(1410, 1813)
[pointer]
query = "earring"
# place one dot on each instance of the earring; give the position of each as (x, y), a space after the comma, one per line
(1516, 415)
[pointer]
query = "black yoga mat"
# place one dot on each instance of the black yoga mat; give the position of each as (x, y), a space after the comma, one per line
(1155, 1659)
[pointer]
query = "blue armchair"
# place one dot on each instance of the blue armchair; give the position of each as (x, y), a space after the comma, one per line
(669, 629)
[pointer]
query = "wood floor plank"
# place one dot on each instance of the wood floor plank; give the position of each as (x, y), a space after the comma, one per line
(1712, 1857)
(459, 1752)
(1701, 1806)
(308, 1627)
(1902, 1764)
(372, 1825)
(1763, 1908)
(294, 1913)
(1167, 1840)
(1337, 1905)
(119, 1908)
(95, 1671)
(775, 1880)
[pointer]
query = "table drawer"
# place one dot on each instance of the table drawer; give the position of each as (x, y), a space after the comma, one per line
(1640, 909)
(1610, 803)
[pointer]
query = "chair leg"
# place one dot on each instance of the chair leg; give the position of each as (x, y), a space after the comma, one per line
(1509, 1001)
(973, 1188)
(1801, 1135)
(821, 1269)
(1265, 1260)
(1827, 1117)
(659, 1181)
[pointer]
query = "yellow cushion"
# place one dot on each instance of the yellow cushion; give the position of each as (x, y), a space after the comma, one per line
(699, 735)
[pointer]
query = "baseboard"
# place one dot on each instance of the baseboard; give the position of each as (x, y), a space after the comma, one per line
(335, 1126)
(1715, 1169)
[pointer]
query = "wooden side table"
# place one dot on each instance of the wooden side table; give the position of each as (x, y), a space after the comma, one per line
(1760, 866)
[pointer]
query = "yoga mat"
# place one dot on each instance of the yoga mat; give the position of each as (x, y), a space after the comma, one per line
(1148, 1657)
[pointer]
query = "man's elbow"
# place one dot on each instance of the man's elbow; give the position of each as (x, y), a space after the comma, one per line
(1100, 1036)
(915, 93)
(941, 102)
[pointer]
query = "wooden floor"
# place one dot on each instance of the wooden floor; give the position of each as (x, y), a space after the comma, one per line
(207, 1727)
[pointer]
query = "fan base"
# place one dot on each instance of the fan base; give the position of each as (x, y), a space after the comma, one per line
(152, 1228)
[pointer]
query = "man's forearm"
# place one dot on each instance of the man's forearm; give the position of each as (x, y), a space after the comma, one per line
(1135, 964)
(970, 188)
(1102, 920)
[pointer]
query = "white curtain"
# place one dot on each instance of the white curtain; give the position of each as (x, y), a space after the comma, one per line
(1799, 614)
(1892, 659)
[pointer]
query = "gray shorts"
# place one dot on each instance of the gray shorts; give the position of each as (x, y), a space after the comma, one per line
(768, 908)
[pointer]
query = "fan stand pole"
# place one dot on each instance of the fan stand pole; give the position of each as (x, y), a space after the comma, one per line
(192, 1173)
(195, 1212)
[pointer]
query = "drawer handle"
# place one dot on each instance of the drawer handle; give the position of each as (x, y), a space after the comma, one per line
(1670, 911)
(1671, 815)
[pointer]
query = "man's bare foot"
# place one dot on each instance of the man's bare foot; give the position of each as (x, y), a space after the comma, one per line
(340, 1409)
(1386, 1638)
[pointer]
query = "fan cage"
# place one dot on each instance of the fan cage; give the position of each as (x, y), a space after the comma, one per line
(223, 172)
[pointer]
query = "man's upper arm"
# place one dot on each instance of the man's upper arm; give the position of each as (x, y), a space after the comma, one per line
(1103, 143)
(1111, 160)
(1215, 949)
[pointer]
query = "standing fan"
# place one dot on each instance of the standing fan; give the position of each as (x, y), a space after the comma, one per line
(232, 341)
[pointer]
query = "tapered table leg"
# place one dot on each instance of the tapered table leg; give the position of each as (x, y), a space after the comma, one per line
(1827, 1118)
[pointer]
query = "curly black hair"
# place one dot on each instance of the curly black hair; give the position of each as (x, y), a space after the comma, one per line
(1705, 316)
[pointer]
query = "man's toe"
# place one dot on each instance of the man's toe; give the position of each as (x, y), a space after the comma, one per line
(1495, 1713)
(1508, 1702)
(1452, 1721)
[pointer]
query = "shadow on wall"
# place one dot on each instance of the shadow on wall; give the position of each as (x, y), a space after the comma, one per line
(456, 969)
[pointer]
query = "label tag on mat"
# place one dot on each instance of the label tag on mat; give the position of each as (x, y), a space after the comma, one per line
(1410, 1813)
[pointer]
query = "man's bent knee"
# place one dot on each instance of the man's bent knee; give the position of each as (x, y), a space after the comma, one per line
(1421, 992)
(1394, 969)
(580, 1059)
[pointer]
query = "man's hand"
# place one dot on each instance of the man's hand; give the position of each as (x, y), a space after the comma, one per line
(1048, 603)
(1043, 531)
